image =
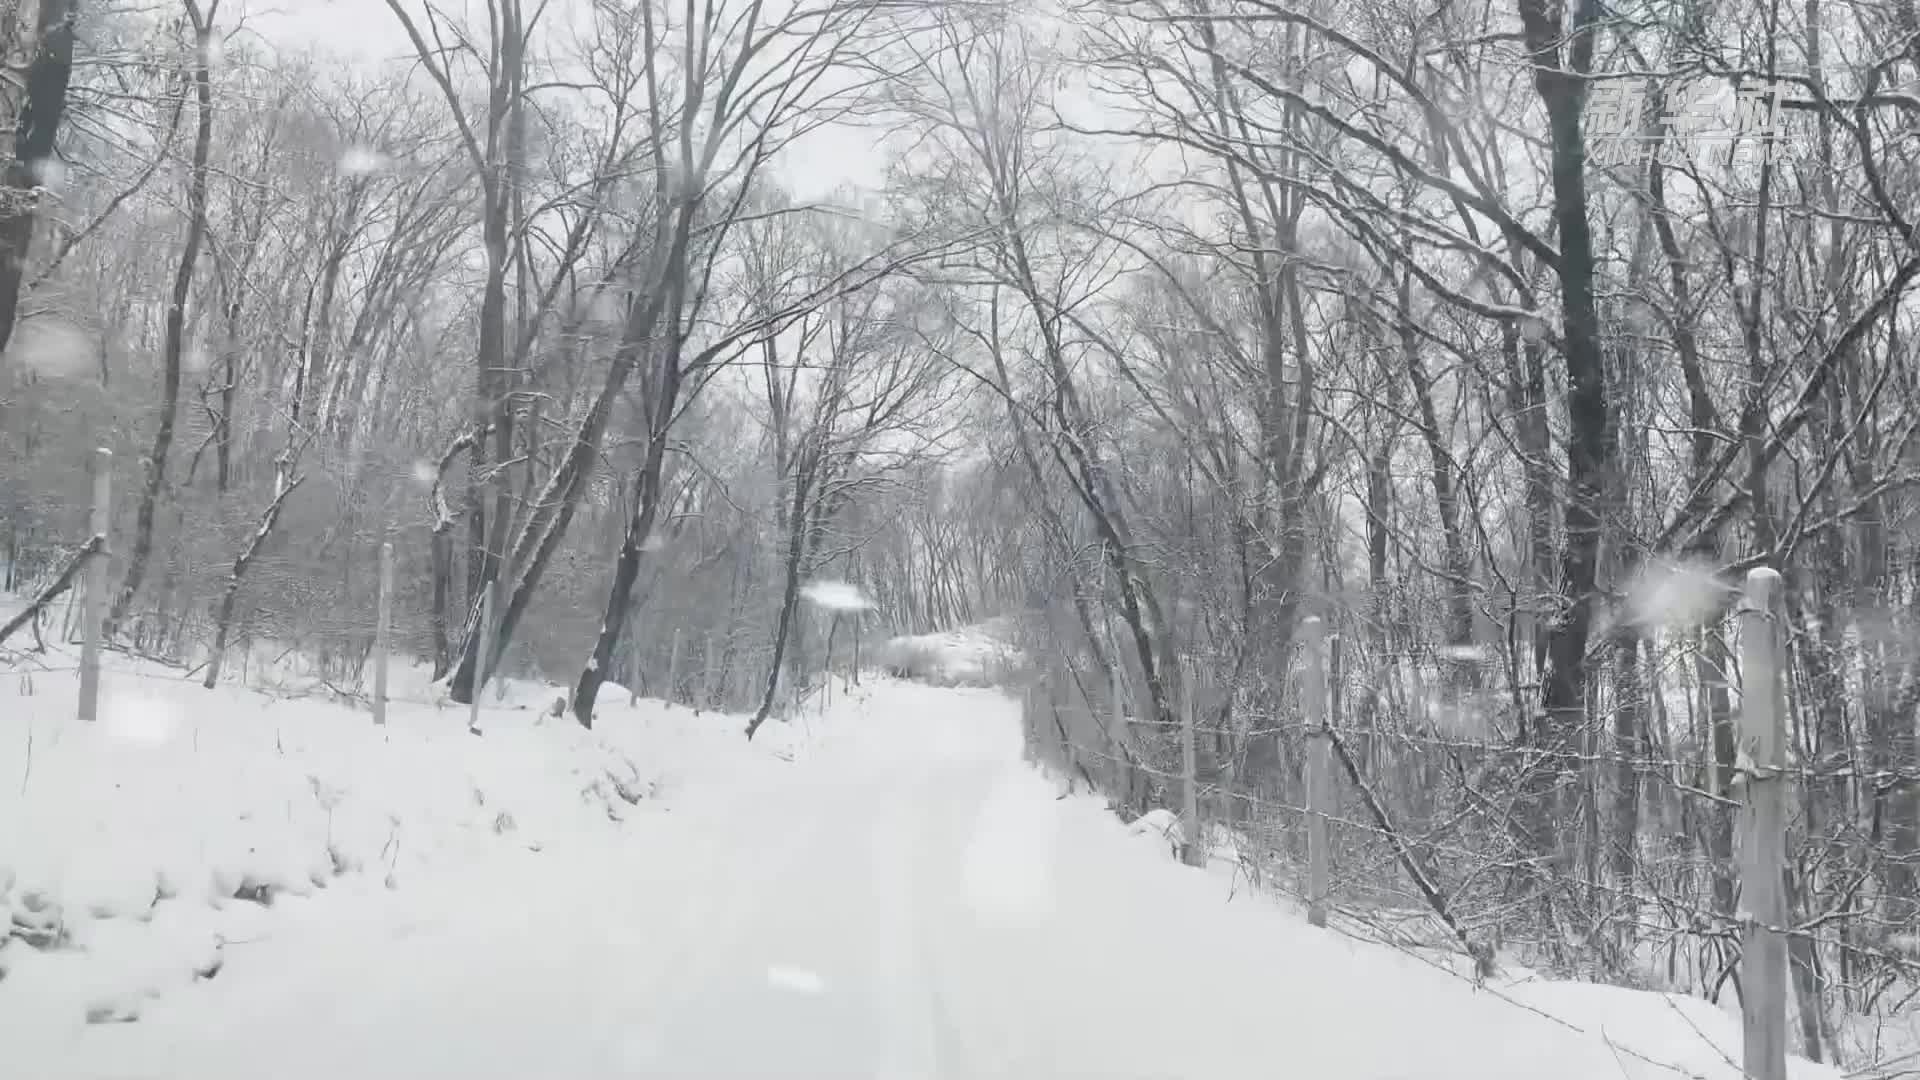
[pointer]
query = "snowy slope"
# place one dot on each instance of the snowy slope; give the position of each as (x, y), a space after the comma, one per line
(148, 849)
(882, 891)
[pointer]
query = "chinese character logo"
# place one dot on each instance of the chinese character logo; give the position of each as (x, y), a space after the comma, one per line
(1615, 109)
(1621, 130)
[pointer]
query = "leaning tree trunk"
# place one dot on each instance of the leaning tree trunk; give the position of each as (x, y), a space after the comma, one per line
(790, 593)
(626, 570)
(442, 550)
(176, 323)
(61, 583)
(229, 596)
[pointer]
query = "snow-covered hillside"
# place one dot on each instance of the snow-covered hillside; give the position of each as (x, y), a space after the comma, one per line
(261, 888)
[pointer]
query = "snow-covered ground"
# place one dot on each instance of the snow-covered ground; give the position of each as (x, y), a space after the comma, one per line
(881, 890)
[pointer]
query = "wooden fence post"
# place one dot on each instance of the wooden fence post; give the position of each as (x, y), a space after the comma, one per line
(383, 634)
(1046, 733)
(1313, 699)
(673, 667)
(710, 679)
(483, 645)
(1117, 734)
(1193, 846)
(1762, 835)
(95, 617)
(1028, 694)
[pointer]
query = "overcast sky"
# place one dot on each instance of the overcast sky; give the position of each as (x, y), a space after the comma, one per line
(366, 31)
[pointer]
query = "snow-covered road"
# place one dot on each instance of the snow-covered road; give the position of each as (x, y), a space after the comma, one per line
(907, 901)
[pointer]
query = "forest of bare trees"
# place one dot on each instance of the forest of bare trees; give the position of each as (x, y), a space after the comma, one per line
(1495, 335)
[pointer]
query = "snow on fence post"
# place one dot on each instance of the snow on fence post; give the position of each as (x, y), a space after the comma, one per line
(1192, 850)
(1762, 834)
(483, 644)
(94, 619)
(1313, 699)
(383, 633)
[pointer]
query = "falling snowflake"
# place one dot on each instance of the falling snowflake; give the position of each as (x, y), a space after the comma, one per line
(1675, 594)
(55, 348)
(607, 306)
(139, 719)
(425, 473)
(836, 596)
(49, 173)
(362, 161)
(798, 980)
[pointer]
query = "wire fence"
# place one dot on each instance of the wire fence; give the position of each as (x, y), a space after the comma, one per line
(1605, 856)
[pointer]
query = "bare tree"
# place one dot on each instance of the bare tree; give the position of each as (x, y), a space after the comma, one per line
(173, 347)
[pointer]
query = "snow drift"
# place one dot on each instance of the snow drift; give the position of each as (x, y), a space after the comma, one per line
(136, 852)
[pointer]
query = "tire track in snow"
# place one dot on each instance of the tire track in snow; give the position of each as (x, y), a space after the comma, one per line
(902, 978)
(747, 854)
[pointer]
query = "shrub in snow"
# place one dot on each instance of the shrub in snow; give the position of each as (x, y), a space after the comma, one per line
(1163, 826)
(37, 920)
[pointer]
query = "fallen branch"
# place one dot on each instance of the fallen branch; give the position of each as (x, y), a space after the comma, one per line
(1437, 900)
(78, 559)
(223, 622)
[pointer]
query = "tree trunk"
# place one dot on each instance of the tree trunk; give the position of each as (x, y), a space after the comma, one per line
(33, 145)
(1560, 82)
(442, 570)
(175, 326)
(442, 552)
(790, 591)
(1629, 746)
(1446, 497)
